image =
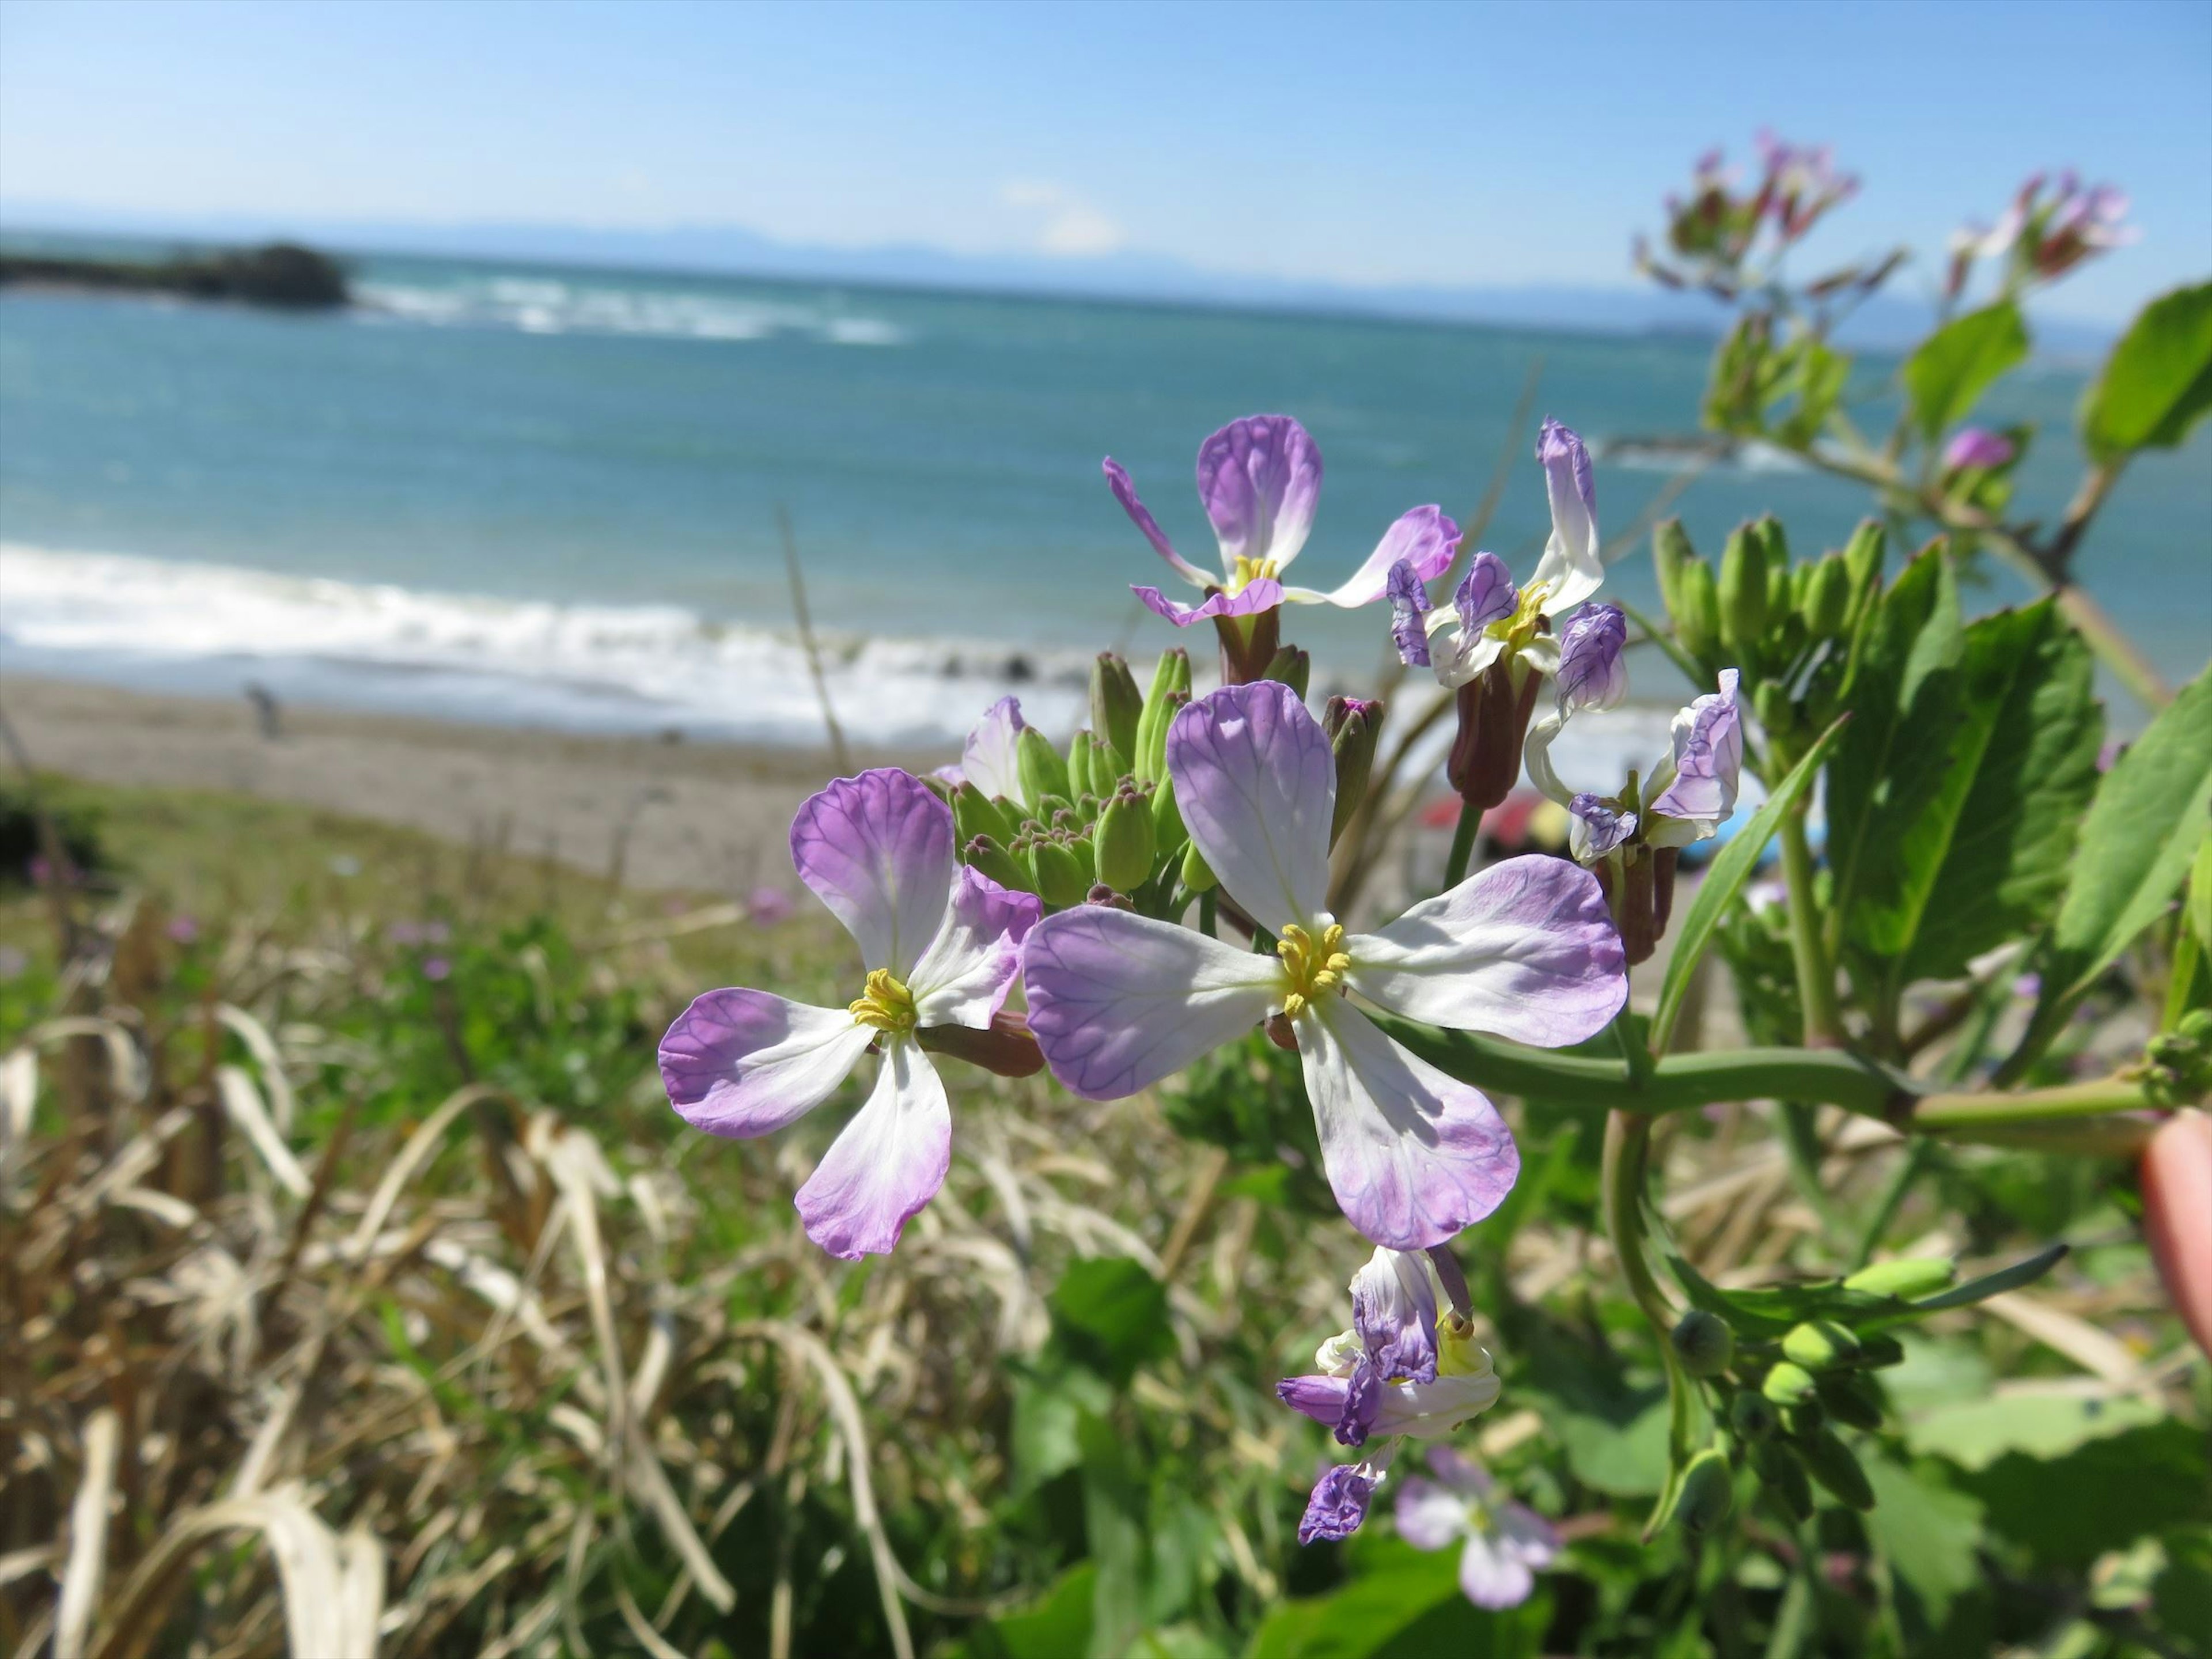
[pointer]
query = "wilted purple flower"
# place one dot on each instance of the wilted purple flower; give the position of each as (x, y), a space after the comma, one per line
(1507, 1544)
(1409, 603)
(991, 759)
(1978, 446)
(1260, 480)
(1594, 828)
(1491, 620)
(1593, 676)
(944, 946)
(769, 906)
(1524, 950)
(1698, 791)
(1401, 1370)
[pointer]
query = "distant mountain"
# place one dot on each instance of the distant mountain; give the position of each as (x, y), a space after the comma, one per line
(1885, 322)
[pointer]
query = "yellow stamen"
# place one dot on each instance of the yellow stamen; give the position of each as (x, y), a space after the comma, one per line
(1249, 569)
(1311, 967)
(886, 1004)
(1528, 617)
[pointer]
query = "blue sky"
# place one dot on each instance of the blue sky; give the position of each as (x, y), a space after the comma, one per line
(1380, 143)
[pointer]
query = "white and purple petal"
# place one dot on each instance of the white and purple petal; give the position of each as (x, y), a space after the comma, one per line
(1485, 594)
(886, 1164)
(1429, 1517)
(1412, 1155)
(1492, 1574)
(877, 850)
(1572, 568)
(1117, 480)
(1409, 604)
(1593, 675)
(1262, 594)
(742, 1063)
(989, 760)
(1118, 1002)
(964, 977)
(1708, 763)
(1256, 785)
(1594, 828)
(1426, 538)
(1260, 480)
(1525, 950)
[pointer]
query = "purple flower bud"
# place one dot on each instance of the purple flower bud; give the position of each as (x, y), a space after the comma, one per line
(1486, 594)
(1977, 446)
(1592, 672)
(1339, 1502)
(1409, 602)
(1597, 828)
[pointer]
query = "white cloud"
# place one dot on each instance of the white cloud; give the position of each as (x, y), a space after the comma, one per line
(1066, 226)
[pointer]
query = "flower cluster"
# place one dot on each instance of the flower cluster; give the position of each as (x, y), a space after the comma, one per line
(1713, 231)
(2043, 233)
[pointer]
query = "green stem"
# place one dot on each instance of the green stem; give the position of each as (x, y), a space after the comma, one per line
(1207, 923)
(1939, 1114)
(1621, 1182)
(1816, 975)
(1462, 847)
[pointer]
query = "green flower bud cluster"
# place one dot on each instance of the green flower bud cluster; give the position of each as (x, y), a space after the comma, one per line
(2177, 1064)
(1790, 628)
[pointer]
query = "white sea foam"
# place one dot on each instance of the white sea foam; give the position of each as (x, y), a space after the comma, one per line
(547, 305)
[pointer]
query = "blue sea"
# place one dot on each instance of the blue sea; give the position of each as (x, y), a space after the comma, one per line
(551, 496)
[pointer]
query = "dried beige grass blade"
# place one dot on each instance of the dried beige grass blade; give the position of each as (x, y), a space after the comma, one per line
(2064, 1333)
(87, 1566)
(123, 1061)
(19, 1091)
(263, 1046)
(242, 1101)
(416, 1152)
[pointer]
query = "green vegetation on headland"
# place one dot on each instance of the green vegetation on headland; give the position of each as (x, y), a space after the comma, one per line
(279, 274)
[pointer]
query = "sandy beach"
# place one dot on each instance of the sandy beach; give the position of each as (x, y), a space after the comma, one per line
(697, 815)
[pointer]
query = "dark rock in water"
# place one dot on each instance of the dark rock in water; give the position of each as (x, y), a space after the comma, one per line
(282, 274)
(1020, 670)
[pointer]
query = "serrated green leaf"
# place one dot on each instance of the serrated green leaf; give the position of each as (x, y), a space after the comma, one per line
(2143, 831)
(1955, 365)
(1975, 1433)
(2158, 382)
(1730, 872)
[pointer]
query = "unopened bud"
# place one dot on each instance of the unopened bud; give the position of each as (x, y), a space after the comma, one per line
(1775, 711)
(1107, 898)
(1784, 1476)
(1115, 706)
(1063, 877)
(1864, 556)
(1851, 1399)
(1708, 1492)
(1082, 779)
(1820, 1345)
(1125, 842)
(1743, 583)
(1293, 667)
(1152, 741)
(1354, 725)
(1672, 554)
(1910, 1279)
(987, 856)
(974, 813)
(1752, 1416)
(1484, 762)
(1197, 874)
(1833, 1466)
(1697, 618)
(1787, 1383)
(1042, 770)
(1172, 675)
(1704, 1343)
(1828, 606)
(1167, 832)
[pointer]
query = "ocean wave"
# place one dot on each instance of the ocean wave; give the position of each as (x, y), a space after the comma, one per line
(1745, 455)
(626, 668)
(547, 305)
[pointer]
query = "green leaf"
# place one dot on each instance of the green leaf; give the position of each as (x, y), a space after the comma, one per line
(1112, 1316)
(1113, 1515)
(1055, 1626)
(2102, 1495)
(1955, 365)
(1926, 1532)
(1407, 1605)
(1975, 1433)
(1879, 776)
(2182, 1595)
(2142, 829)
(2158, 382)
(1730, 872)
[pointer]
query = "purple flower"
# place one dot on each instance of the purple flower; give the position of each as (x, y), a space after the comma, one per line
(767, 906)
(1401, 1371)
(1507, 1544)
(1978, 446)
(1524, 950)
(2041, 239)
(1409, 603)
(183, 930)
(436, 969)
(1485, 594)
(1260, 480)
(991, 758)
(944, 946)
(1594, 828)
(1699, 793)
(1592, 674)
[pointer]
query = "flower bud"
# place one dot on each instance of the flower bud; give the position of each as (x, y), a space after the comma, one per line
(1485, 760)
(1828, 603)
(1293, 667)
(1063, 876)
(1775, 712)
(1864, 556)
(1978, 447)
(1115, 707)
(1784, 1476)
(1752, 1416)
(1354, 725)
(2177, 1193)
(1081, 779)
(974, 813)
(1042, 770)
(1910, 1278)
(1125, 842)
(1707, 1495)
(1787, 1383)
(1833, 1466)
(1820, 1345)
(1197, 874)
(1697, 619)
(1167, 832)
(1172, 675)
(1851, 1399)
(1672, 554)
(1704, 1343)
(987, 856)
(1743, 585)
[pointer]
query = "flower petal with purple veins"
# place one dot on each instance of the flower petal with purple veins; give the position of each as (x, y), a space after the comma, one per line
(1593, 675)
(887, 1162)
(1118, 1002)
(1117, 480)
(1339, 1502)
(1409, 602)
(989, 759)
(1394, 1313)
(1594, 828)
(1260, 479)
(878, 849)
(1572, 566)
(964, 978)
(1263, 593)
(1708, 763)
(1425, 538)
(1256, 785)
(1525, 950)
(1412, 1155)
(1485, 594)
(742, 1063)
